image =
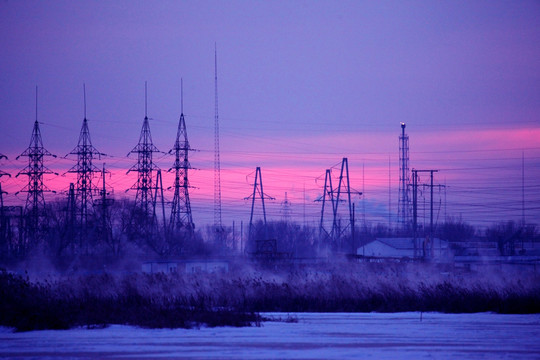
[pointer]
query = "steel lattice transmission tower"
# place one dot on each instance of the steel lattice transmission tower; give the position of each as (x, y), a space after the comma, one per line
(85, 170)
(3, 221)
(404, 180)
(258, 192)
(181, 217)
(334, 196)
(328, 191)
(3, 173)
(34, 209)
(145, 166)
(217, 166)
(286, 209)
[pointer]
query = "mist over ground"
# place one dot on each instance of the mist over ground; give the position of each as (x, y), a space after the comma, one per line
(235, 298)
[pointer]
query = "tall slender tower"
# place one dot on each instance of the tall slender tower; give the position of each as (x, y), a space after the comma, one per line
(34, 209)
(181, 206)
(144, 166)
(217, 166)
(85, 170)
(404, 180)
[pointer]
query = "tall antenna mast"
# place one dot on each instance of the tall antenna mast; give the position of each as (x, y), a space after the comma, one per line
(217, 167)
(404, 180)
(145, 100)
(84, 95)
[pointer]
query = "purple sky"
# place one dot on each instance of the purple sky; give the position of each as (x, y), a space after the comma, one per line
(301, 85)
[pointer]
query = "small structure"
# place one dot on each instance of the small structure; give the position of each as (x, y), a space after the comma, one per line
(267, 251)
(205, 266)
(404, 249)
(186, 266)
(153, 267)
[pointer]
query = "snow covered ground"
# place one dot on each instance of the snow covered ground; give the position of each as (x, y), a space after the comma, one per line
(314, 336)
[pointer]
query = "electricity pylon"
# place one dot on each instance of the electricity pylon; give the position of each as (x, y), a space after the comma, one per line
(344, 187)
(286, 209)
(34, 209)
(3, 173)
(103, 203)
(258, 192)
(2, 215)
(328, 191)
(334, 196)
(85, 170)
(181, 217)
(144, 167)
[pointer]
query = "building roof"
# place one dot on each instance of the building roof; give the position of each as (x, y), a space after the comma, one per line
(398, 243)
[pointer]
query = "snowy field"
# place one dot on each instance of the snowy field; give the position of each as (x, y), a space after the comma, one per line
(314, 336)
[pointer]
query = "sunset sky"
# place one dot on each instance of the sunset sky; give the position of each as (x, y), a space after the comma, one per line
(302, 84)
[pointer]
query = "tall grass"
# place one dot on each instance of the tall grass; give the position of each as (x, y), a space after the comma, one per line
(234, 299)
(105, 299)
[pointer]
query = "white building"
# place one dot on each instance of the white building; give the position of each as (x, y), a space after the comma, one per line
(403, 248)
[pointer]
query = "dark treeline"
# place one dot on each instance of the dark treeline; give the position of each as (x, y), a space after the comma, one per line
(121, 235)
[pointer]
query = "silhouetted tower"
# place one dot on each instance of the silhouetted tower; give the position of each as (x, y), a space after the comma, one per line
(3, 173)
(145, 166)
(71, 215)
(158, 190)
(334, 196)
(217, 166)
(2, 215)
(85, 170)
(404, 180)
(181, 207)
(34, 209)
(3, 225)
(286, 209)
(344, 187)
(328, 192)
(3, 219)
(104, 202)
(258, 192)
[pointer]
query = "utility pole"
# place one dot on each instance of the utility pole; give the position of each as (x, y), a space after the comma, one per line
(415, 203)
